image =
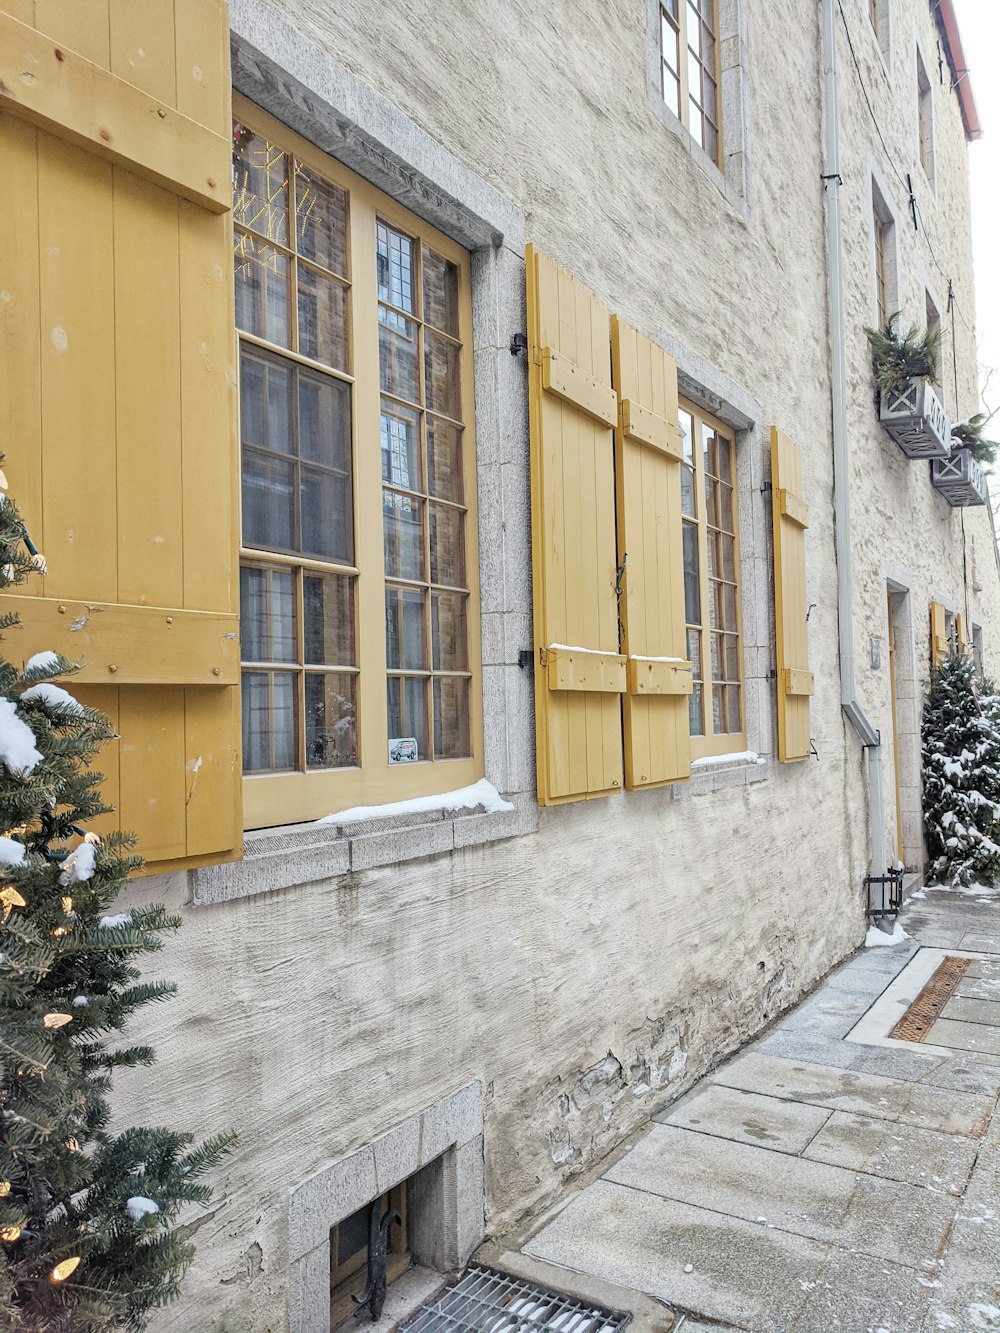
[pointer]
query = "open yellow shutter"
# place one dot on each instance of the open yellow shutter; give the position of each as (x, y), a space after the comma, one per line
(963, 641)
(939, 634)
(650, 547)
(579, 671)
(119, 391)
(791, 518)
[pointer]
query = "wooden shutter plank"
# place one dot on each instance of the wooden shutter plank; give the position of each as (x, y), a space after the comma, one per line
(650, 542)
(212, 772)
(203, 84)
(790, 520)
(141, 40)
(80, 25)
(572, 464)
(939, 634)
(152, 768)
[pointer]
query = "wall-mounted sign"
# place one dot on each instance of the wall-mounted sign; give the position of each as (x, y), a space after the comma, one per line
(403, 750)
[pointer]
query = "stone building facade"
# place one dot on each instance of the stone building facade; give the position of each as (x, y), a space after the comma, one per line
(484, 1002)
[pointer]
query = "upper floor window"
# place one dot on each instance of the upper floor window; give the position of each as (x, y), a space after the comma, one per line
(925, 119)
(884, 257)
(358, 566)
(712, 583)
(933, 316)
(690, 69)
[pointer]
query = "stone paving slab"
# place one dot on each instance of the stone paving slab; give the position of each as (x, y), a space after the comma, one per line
(830, 1014)
(880, 1148)
(968, 1010)
(726, 1269)
(965, 1036)
(857, 1294)
(879, 1217)
(978, 988)
(864, 1094)
(978, 943)
(987, 969)
(748, 1117)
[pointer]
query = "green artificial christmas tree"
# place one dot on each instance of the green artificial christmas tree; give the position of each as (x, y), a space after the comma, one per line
(961, 755)
(86, 1238)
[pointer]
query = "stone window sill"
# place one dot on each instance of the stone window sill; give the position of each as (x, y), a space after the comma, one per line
(281, 858)
(720, 776)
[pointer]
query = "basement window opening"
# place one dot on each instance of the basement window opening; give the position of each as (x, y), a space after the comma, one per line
(349, 1252)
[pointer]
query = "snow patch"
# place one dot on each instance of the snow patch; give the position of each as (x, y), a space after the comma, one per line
(45, 661)
(879, 939)
(635, 657)
(11, 852)
(481, 793)
(17, 741)
(80, 1001)
(139, 1207)
(53, 696)
(575, 648)
(79, 865)
(115, 920)
(984, 1316)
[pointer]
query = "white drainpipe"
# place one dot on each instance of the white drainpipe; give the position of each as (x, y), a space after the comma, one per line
(841, 471)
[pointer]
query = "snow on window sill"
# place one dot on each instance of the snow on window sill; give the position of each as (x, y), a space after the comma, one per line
(719, 772)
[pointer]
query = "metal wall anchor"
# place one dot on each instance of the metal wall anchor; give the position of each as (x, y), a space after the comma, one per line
(373, 1296)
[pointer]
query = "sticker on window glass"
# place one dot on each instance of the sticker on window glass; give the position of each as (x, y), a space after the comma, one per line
(403, 750)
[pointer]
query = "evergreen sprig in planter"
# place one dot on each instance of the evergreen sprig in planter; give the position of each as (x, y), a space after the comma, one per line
(904, 366)
(961, 478)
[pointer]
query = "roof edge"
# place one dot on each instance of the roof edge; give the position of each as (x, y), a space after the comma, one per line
(962, 83)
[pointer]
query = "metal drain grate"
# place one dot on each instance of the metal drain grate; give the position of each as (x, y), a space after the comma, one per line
(926, 1008)
(485, 1300)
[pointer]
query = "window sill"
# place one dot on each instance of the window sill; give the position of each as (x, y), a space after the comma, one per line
(282, 858)
(722, 772)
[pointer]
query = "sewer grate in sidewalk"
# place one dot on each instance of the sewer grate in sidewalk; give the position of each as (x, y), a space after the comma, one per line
(918, 1020)
(486, 1300)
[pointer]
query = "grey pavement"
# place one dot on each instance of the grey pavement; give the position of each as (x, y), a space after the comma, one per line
(819, 1181)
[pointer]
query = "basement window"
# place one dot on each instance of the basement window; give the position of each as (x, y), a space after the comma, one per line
(349, 1252)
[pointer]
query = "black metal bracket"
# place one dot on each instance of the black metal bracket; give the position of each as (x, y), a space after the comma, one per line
(889, 889)
(832, 176)
(813, 750)
(765, 486)
(524, 657)
(811, 608)
(518, 344)
(373, 1297)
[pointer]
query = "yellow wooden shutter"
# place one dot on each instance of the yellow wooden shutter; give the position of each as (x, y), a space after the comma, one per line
(960, 635)
(119, 390)
(791, 518)
(650, 547)
(579, 671)
(939, 634)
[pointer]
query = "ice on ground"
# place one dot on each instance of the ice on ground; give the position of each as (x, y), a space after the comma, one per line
(480, 794)
(45, 661)
(879, 939)
(79, 865)
(18, 752)
(53, 696)
(11, 852)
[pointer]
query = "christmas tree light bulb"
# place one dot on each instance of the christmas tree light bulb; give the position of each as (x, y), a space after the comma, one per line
(4, 1188)
(63, 1270)
(10, 1234)
(57, 1020)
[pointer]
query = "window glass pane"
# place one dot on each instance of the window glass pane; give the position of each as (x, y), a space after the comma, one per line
(321, 221)
(441, 376)
(405, 645)
(327, 515)
(400, 431)
(727, 618)
(447, 546)
(267, 615)
(695, 120)
(352, 1234)
(448, 636)
(732, 693)
(397, 355)
(711, 515)
(732, 657)
(451, 717)
(711, 144)
(695, 715)
(331, 728)
(725, 453)
(669, 44)
(268, 501)
(328, 616)
(727, 554)
(406, 697)
(260, 185)
(394, 260)
(671, 91)
(693, 28)
(726, 505)
(325, 421)
(403, 525)
(322, 318)
(268, 699)
(262, 302)
(692, 590)
(687, 429)
(444, 460)
(440, 292)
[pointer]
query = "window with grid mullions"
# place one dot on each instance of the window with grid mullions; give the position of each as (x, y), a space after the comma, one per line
(359, 634)
(690, 69)
(712, 583)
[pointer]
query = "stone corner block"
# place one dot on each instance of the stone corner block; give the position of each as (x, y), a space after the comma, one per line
(396, 1154)
(453, 1122)
(309, 1291)
(326, 1198)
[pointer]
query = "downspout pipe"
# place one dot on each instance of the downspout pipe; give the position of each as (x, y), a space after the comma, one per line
(856, 716)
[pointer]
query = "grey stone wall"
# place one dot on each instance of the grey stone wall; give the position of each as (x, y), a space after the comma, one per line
(584, 972)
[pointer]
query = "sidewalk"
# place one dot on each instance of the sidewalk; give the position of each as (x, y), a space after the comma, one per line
(829, 1177)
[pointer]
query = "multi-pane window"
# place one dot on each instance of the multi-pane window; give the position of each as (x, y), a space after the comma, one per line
(355, 398)
(925, 120)
(690, 68)
(884, 255)
(933, 327)
(711, 583)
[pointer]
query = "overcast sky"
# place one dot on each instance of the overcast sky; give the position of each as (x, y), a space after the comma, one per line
(979, 21)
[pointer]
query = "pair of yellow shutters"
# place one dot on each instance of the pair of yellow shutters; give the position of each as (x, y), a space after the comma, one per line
(939, 633)
(612, 679)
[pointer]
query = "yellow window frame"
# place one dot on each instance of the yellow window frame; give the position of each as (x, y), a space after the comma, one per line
(711, 743)
(273, 799)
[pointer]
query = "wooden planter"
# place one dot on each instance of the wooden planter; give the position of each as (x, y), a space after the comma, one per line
(915, 419)
(960, 479)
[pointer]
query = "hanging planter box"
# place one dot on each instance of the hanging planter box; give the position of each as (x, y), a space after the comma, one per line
(915, 419)
(960, 479)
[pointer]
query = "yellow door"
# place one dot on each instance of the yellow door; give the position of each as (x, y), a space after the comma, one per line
(895, 732)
